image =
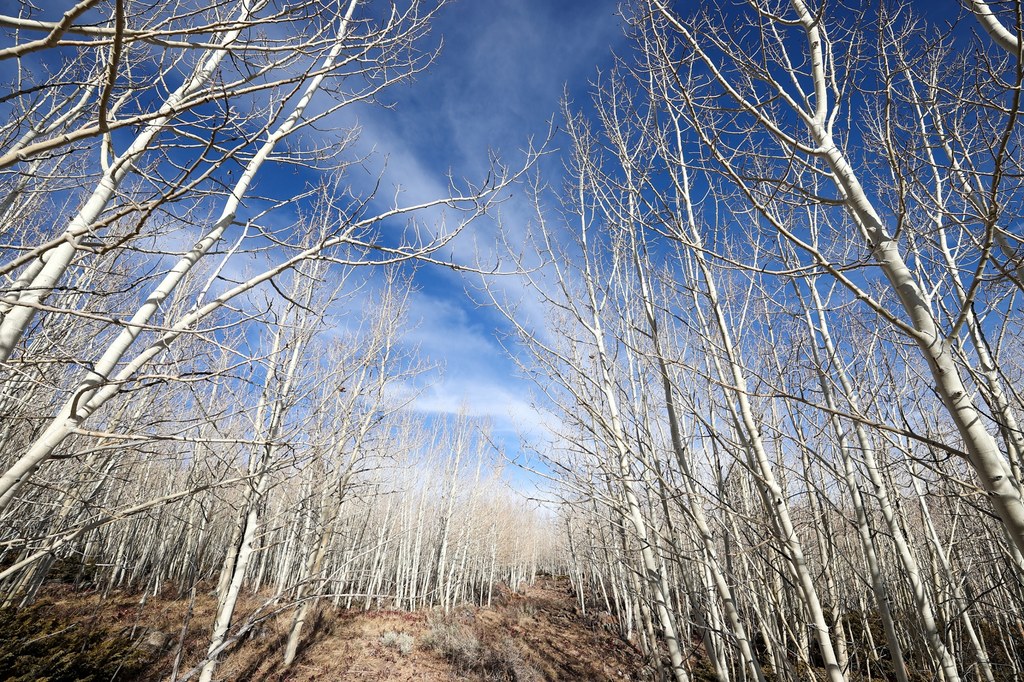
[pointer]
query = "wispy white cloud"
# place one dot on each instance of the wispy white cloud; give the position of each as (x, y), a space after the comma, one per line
(498, 82)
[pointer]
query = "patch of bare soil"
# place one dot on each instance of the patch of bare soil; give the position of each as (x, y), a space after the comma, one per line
(531, 637)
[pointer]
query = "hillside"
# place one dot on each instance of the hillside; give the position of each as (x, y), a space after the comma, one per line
(534, 636)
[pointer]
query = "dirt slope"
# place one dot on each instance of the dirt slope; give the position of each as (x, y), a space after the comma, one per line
(530, 637)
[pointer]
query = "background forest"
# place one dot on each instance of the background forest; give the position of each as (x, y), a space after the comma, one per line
(757, 285)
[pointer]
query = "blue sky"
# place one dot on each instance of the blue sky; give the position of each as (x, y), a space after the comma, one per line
(498, 81)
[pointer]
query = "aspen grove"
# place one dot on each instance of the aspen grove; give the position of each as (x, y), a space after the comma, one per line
(767, 295)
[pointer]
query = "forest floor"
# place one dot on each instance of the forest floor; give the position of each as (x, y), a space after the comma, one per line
(536, 636)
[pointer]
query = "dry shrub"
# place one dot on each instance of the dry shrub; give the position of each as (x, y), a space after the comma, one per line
(500, 660)
(402, 641)
(455, 643)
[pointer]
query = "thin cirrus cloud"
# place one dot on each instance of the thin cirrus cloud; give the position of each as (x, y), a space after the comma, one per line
(497, 83)
(475, 378)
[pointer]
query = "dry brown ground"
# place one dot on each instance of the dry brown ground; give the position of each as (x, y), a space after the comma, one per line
(531, 637)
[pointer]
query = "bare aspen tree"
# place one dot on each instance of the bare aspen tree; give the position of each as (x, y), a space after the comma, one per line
(360, 407)
(346, 50)
(1005, 37)
(622, 210)
(793, 425)
(42, 275)
(816, 98)
(291, 337)
(583, 297)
